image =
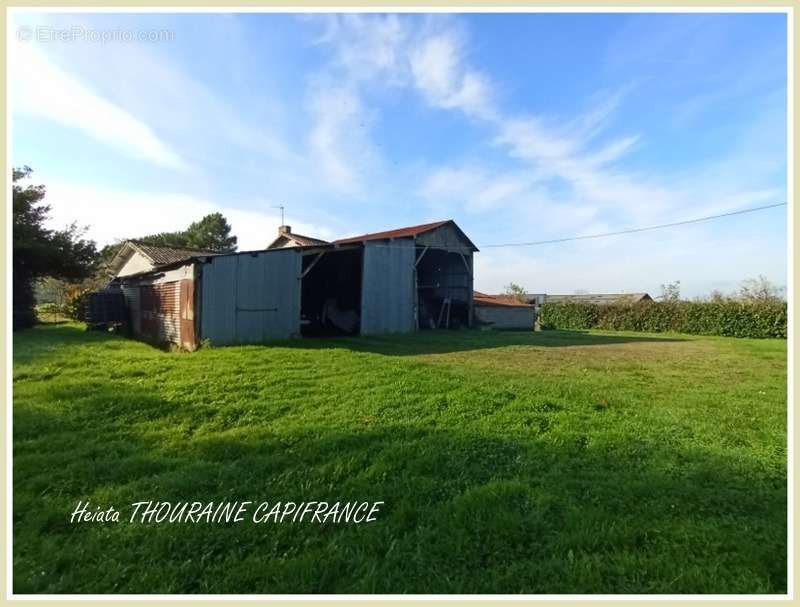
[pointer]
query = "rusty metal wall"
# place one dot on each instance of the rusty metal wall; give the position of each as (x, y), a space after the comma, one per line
(153, 302)
(388, 295)
(160, 311)
(250, 297)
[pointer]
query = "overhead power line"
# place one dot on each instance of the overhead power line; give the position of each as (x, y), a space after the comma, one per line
(634, 230)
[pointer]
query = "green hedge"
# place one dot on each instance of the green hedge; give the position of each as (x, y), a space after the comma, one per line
(730, 318)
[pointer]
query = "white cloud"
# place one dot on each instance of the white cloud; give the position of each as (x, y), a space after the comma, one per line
(339, 143)
(439, 73)
(563, 176)
(429, 58)
(101, 209)
(368, 46)
(476, 189)
(390, 51)
(42, 89)
(612, 151)
(248, 115)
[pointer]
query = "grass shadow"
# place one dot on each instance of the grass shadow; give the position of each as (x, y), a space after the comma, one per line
(443, 342)
(38, 342)
(520, 511)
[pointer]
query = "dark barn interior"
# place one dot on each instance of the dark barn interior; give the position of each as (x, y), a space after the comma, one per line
(444, 286)
(330, 299)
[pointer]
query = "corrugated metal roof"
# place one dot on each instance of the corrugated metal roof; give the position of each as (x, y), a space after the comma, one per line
(482, 299)
(398, 233)
(598, 298)
(162, 255)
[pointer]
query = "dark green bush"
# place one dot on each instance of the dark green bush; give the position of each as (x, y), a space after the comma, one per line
(569, 315)
(729, 318)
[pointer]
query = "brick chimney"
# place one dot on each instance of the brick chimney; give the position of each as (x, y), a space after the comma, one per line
(284, 230)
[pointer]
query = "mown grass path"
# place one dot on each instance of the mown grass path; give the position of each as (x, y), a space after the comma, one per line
(554, 462)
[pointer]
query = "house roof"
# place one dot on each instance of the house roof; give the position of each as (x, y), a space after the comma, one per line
(298, 239)
(161, 255)
(158, 255)
(404, 233)
(483, 299)
(201, 257)
(598, 298)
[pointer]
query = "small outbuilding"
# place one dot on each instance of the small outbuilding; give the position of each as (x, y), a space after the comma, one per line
(502, 312)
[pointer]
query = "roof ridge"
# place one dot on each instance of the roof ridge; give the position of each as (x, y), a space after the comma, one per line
(411, 230)
(139, 242)
(595, 294)
(296, 234)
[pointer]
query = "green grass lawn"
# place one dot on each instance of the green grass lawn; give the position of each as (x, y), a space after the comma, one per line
(553, 462)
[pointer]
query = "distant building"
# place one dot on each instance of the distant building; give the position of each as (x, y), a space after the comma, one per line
(536, 299)
(600, 299)
(286, 238)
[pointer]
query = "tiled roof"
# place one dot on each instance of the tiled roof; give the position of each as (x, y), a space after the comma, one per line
(306, 240)
(398, 233)
(482, 299)
(299, 240)
(161, 255)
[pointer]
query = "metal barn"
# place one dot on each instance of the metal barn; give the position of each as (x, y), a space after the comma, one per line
(418, 277)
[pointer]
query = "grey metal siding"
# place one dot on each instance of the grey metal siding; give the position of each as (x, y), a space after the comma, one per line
(250, 298)
(388, 293)
(471, 264)
(133, 301)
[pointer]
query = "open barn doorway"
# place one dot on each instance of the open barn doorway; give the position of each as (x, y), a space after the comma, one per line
(330, 301)
(444, 288)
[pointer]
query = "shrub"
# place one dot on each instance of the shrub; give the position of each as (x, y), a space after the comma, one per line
(732, 318)
(569, 316)
(50, 311)
(75, 306)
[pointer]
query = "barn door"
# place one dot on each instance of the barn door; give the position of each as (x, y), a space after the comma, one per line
(387, 293)
(188, 341)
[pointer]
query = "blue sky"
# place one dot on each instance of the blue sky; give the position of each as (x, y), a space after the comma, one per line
(520, 127)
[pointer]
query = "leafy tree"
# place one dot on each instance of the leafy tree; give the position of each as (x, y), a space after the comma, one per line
(39, 252)
(515, 291)
(212, 232)
(760, 289)
(671, 292)
(166, 239)
(717, 296)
